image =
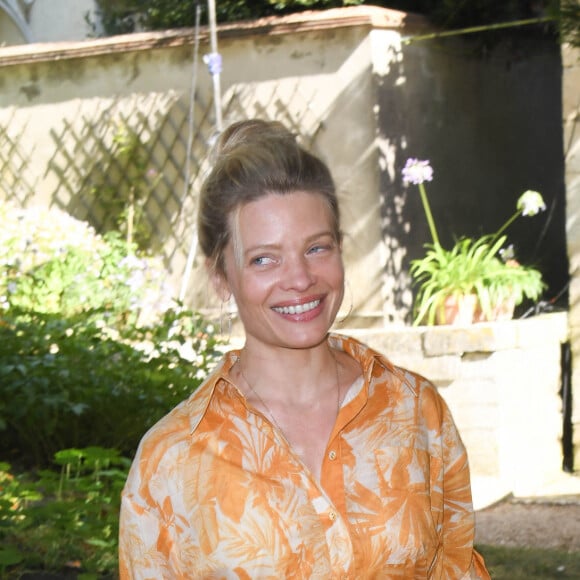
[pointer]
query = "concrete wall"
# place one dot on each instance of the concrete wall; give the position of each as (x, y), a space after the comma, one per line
(488, 117)
(313, 75)
(45, 21)
(364, 94)
(571, 121)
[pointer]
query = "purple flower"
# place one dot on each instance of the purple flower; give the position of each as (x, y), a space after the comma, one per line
(214, 62)
(417, 172)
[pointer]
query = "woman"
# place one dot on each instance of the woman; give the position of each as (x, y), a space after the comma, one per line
(305, 454)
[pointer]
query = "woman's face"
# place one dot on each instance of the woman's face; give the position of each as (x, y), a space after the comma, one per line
(286, 273)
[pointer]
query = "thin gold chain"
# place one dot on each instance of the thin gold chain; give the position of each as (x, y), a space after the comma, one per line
(267, 408)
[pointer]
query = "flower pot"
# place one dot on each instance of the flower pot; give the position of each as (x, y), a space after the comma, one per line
(457, 310)
(502, 310)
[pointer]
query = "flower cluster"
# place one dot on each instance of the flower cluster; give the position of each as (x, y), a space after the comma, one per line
(417, 172)
(51, 262)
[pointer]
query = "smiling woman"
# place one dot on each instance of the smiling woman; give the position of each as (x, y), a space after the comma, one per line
(305, 454)
(289, 282)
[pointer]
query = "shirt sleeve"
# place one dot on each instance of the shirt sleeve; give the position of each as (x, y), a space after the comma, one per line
(148, 529)
(146, 544)
(458, 558)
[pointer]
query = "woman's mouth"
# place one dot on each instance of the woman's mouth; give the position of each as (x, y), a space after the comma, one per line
(297, 308)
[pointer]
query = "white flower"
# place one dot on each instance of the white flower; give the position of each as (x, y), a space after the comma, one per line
(531, 203)
(416, 171)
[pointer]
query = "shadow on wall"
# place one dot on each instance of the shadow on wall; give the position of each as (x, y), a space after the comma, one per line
(489, 121)
(120, 167)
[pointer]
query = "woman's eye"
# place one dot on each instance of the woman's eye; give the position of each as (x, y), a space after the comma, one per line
(318, 248)
(262, 261)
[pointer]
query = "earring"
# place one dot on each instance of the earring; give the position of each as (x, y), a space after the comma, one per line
(348, 290)
(227, 314)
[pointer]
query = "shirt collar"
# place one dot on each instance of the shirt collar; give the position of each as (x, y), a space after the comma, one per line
(372, 362)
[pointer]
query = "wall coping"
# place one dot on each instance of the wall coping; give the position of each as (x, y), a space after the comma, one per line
(488, 337)
(372, 17)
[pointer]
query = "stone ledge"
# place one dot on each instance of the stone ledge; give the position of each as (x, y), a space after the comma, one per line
(495, 336)
(371, 17)
(448, 341)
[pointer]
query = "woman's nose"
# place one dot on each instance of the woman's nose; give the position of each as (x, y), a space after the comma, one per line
(298, 274)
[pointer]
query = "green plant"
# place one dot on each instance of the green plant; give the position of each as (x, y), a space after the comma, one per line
(72, 382)
(91, 350)
(510, 563)
(52, 263)
(472, 266)
(122, 16)
(66, 518)
(126, 182)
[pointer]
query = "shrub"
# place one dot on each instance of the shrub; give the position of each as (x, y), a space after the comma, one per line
(90, 351)
(70, 383)
(63, 519)
(53, 263)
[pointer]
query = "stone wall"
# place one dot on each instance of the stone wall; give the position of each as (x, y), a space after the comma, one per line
(502, 383)
(571, 121)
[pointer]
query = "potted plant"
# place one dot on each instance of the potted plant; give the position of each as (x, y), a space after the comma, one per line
(476, 280)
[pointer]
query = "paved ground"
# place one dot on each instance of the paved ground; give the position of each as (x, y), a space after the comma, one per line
(552, 522)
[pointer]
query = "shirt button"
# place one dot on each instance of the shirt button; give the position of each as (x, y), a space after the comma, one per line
(332, 455)
(332, 516)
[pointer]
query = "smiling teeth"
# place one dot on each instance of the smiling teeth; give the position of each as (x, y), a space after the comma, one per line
(299, 308)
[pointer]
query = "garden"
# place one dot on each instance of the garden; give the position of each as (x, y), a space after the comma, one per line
(93, 351)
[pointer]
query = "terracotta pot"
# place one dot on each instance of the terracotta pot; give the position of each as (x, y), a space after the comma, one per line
(457, 310)
(503, 310)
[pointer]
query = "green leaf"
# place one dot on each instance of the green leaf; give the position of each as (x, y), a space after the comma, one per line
(10, 556)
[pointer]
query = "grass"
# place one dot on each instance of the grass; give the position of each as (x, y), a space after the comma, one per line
(508, 563)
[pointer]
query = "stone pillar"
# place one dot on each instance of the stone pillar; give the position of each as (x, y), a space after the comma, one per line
(571, 120)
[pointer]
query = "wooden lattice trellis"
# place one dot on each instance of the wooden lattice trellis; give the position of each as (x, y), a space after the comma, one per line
(110, 151)
(16, 185)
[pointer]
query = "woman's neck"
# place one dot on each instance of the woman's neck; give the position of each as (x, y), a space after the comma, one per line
(290, 374)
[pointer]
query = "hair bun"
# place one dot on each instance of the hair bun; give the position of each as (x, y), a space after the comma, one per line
(254, 131)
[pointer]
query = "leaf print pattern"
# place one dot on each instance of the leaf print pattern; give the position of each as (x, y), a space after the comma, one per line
(216, 492)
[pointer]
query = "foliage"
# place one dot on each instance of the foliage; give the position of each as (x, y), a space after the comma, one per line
(52, 263)
(123, 199)
(568, 14)
(70, 382)
(122, 16)
(472, 266)
(91, 353)
(63, 519)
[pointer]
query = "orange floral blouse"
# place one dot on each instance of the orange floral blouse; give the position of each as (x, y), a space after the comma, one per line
(215, 491)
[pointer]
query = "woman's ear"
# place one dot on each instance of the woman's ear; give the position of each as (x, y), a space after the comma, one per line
(219, 282)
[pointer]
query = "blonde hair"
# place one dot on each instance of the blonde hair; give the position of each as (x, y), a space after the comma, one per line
(252, 159)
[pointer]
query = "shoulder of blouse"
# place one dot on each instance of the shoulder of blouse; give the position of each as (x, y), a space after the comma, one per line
(185, 417)
(375, 365)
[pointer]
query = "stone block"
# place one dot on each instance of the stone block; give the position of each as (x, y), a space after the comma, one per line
(483, 337)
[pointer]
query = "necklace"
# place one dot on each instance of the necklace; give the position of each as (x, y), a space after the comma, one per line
(267, 408)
